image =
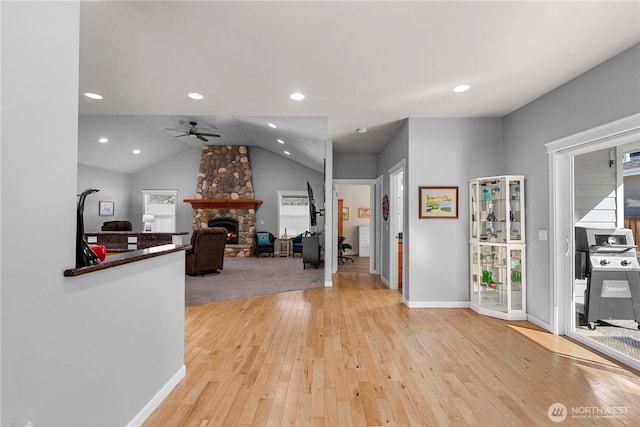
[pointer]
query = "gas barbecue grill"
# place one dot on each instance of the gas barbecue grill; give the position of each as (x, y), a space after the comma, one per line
(611, 267)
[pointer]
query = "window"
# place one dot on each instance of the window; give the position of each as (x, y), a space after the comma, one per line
(293, 212)
(160, 209)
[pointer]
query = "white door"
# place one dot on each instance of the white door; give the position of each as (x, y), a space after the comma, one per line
(396, 225)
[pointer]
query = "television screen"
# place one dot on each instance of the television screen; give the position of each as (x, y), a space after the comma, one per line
(312, 206)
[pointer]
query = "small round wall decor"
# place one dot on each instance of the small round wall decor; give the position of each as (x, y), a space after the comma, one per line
(385, 207)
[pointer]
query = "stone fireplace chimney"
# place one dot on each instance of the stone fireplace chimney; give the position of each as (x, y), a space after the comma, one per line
(224, 190)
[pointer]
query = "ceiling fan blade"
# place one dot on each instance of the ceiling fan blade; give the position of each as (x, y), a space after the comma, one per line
(201, 138)
(176, 130)
(210, 134)
(184, 134)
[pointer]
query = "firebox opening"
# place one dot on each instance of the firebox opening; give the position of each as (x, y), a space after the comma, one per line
(230, 224)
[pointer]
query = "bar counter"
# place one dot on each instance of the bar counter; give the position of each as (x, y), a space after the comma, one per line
(127, 258)
(122, 241)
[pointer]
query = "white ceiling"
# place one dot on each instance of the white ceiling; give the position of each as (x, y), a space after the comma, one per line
(360, 64)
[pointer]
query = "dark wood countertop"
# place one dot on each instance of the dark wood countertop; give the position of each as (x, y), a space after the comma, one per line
(127, 258)
(137, 233)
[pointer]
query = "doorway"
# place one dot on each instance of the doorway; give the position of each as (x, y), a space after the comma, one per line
(356, 224)
(397, 241)
(565, 211)
(606, 198)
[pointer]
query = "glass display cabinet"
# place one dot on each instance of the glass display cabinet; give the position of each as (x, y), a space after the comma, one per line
(497, 247)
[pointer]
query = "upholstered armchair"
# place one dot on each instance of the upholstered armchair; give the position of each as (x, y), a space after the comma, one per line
(207, 251)
(265, 243)
(297, 244)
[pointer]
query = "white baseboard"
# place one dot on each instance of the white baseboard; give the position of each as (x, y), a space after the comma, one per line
(436, 304)
(328, 284)
(156, 400)
(538, 322)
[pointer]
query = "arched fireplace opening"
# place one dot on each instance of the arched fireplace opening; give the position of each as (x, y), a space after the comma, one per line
(230, 224)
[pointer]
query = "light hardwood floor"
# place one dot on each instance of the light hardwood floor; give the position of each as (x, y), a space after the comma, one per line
(359, 265)
(353, 355)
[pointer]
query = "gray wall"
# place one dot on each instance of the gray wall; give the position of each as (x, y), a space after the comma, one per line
(603, 94)
(445, 152)
(113, 186)
(355, 166)
(393, 152)
(179, 172)
(83, 351)
(272, 173)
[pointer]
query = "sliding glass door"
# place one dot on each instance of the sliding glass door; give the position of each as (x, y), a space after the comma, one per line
(589, 189)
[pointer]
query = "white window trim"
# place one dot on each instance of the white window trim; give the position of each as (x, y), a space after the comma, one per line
(296, 193)
(174, 193)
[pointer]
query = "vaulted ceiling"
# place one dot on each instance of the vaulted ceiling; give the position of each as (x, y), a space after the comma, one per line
(360, 64)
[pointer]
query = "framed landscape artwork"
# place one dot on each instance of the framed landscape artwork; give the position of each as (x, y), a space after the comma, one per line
(438, 202)
(345, 214)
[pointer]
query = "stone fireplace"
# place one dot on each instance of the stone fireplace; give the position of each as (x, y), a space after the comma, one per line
(224, 191)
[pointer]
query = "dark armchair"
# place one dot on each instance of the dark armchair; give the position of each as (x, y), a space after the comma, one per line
(265, 243)
(207, 252)
(296, 242)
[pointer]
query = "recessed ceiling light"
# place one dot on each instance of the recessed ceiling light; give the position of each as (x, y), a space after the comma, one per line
(296, 96)
(136, 151)
(271, 125)
(362, 130)
(103, 140)
(287, 153)
(92, 95)
(461, 88)
(281, 141)
(195, 95)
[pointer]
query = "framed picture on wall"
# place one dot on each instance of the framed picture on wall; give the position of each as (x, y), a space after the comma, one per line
(438, 202)
(105, 208)
(345, 214)
(364, 212)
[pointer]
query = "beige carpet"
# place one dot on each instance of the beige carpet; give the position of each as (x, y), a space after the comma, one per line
(247, 277)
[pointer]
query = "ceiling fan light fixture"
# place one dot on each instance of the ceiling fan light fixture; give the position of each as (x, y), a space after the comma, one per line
(92, 95)
(297, 96)
(193, 132)
(196, 96)
(461, 88)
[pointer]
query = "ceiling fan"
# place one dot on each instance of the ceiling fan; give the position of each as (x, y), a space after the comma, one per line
(193, 131)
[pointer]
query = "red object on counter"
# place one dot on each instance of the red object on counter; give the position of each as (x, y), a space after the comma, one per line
(100, 251)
